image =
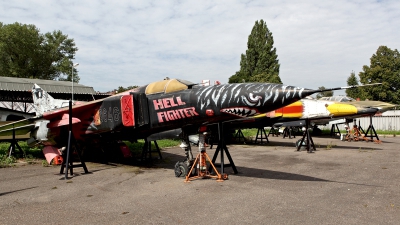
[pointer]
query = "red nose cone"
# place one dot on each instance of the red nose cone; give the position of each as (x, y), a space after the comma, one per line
(209, 112)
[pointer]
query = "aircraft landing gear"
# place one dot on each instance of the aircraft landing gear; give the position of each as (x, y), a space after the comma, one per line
(200, 164)
(181, 169)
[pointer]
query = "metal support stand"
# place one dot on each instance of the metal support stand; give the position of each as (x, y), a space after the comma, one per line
(14, 143)
(333, 130)
(287, 132)
(309, 142)
(223, 149)
(239, 136)
(372, 131)
(261, 135)
(359, 126)
(146, 152)
(273, 131)
(200, 164)
(68, 163)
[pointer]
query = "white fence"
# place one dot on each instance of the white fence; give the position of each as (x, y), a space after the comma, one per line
(389, 121)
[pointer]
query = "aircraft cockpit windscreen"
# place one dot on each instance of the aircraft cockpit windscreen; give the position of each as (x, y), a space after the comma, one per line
(185, 82)
(338, 99)
(347, 99)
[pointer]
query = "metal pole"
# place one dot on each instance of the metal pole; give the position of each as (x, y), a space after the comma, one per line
(69, 138)
(72, 99)
(222, 143)
(76, 64)
(68, 151)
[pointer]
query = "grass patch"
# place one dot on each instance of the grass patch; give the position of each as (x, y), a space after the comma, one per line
(28, 154)
(6, 161)
(35, 152)
(250, 132)
(387, 132)
(379, 132)
(34, 155)
(164, 143)
(330, 145)
(137, 147)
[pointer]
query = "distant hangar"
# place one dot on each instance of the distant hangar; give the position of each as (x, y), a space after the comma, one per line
(14, 89)
(16, 95)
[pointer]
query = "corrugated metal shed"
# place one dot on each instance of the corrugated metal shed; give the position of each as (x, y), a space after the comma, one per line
(25, 84)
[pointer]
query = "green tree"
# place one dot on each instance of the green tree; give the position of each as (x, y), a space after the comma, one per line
(385, 69)
(324, 94)
(354, 92)
(122, 89)
(260, 63)
(24, 52)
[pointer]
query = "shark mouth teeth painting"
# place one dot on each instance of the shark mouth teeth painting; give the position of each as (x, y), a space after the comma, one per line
(241, 112)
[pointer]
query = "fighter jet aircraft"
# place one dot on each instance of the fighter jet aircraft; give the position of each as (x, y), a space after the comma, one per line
(312, 111)
(153, 108)
(325, 110)
(318, 111)
(321, 111)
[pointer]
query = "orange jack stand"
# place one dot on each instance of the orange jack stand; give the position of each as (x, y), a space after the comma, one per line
(201, 163)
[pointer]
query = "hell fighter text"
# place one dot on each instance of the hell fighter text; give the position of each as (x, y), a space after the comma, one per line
(173, 114)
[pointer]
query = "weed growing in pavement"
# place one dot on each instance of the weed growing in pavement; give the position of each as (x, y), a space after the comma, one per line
(45, 163)
(6, 161)
(363, 150)
(330, 145)
(30, 159)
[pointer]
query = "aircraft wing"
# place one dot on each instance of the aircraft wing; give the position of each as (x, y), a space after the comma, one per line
(76, 109)
(20, 127)
(381, 106)
(24, 126)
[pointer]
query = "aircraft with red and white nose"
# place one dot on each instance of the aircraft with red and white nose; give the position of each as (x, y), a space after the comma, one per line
(157, 107)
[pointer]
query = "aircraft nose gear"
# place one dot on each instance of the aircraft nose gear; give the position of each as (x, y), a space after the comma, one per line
(181, 169)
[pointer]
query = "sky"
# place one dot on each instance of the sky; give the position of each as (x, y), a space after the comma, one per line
(135, 42)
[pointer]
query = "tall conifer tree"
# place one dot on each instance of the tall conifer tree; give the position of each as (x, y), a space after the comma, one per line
(260, 63)
(354, 92)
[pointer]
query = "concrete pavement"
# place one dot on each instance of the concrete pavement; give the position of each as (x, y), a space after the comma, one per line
(341, 183)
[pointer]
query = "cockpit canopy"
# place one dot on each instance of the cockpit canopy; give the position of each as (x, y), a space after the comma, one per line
(338, 99)
(168, 86)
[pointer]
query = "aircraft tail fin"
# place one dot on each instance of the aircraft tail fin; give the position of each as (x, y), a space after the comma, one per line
(43, 102)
